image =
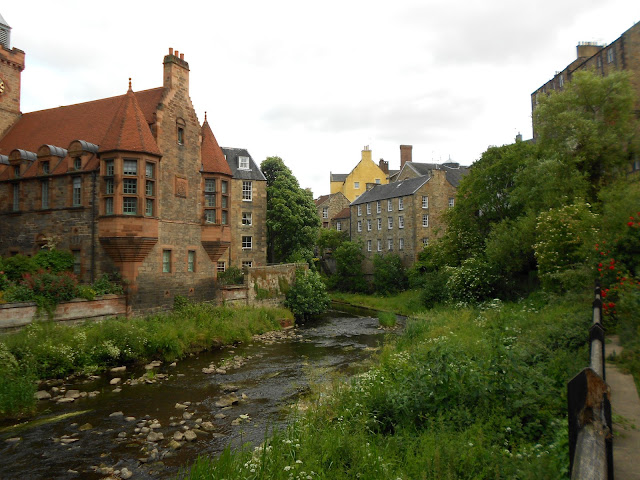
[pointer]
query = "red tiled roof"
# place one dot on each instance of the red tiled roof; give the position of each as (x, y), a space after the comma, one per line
(129, 131)
(211, 154)
(83, 121)
(344, 213)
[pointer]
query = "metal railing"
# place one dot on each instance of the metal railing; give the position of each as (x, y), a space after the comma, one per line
(590, 427)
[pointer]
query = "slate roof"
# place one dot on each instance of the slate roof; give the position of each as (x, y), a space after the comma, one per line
(211, 154)
(232, 155)
(454, 171)
(392, 190)
(88, 121)
(339, 177)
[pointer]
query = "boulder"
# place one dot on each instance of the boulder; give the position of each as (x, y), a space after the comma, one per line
(42, 395)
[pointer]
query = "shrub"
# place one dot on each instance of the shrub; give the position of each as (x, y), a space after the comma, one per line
(308, 295)
(389, 275)
(473, 281)
(51, 287)
(4, 281)
(231, 276)
(15, 267)
(105, 286)
(434, 290)
(54, 260)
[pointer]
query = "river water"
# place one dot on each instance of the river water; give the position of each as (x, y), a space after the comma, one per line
(108, 434)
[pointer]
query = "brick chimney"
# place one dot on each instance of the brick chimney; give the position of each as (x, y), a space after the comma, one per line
(384, 166)
(405, 154)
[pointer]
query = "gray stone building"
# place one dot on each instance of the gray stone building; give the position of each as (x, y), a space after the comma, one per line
(248, 212)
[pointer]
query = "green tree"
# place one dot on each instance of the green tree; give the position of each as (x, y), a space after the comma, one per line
(308, 295)
(389, 275)
(349, 276)
(591, 125)
(330, 239)
(292, 220)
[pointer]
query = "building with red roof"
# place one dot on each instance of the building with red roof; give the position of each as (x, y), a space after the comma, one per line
(131, 184)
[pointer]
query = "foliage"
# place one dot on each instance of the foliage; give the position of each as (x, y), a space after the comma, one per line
(308, 295)
(107, 285)
(292, 220)
(329, 240)
(566, 238)
(434, 288)
(465, 393)
(16, 266)
(45, 349)
(389, 275)
(591, 125)
(349, 276)
(472, 281)
(54, 260)
(387, 319)
(302, 255)
(231, 276)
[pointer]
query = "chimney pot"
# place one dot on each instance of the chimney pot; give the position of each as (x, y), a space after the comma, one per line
(182, 56)
(170, 51)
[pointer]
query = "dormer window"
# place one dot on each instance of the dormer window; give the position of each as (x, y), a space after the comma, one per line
(16, 171)
(243, 163)
(77, 163)
(45, 168)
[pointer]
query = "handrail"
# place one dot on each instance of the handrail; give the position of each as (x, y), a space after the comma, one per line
(588, 395)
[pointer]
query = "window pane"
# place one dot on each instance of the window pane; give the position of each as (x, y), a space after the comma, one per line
(149, 170)
(108, 206)
(191, 261)
(108, 186)
(149, 208)
(130, 205)
(130, 186)
(225, 201)
(149, 188)
(246, 191)
(210, 200)
(77, 185)
(166, 261)
(210, 185)
(45, 194)
(210, 216)
(224, 187)
(225, 219)
(108, 168)
(130, 167)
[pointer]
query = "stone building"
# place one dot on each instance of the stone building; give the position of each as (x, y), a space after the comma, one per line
(403, 216)
(131, 183)
(354, 184)
(341, 221)
(248, 212)
(329, 205)
(621, 54)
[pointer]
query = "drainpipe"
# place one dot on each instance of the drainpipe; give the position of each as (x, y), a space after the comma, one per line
(93, 226)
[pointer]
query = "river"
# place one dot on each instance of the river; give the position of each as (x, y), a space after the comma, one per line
(117, 432)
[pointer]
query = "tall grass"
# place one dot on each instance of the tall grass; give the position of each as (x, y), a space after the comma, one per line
(465, 393)
(404, 303)
(49, 350)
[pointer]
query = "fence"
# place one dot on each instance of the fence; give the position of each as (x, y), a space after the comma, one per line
(590, 427)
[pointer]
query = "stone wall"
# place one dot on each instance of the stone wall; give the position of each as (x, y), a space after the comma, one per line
(17, 315)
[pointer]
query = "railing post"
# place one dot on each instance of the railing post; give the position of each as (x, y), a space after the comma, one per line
(589, 408)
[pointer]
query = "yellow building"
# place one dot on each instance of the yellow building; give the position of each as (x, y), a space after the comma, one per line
(354, 184)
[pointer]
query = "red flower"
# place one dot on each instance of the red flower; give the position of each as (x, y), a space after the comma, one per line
(611, 267)
(599, 264)
(611, 304)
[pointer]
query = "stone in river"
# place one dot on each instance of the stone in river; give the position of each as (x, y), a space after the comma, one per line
(42, 395)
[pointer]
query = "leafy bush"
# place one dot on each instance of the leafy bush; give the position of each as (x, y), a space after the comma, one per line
(308, 295)
(54, 260)
(231, 276)
(105, 285)
(50, 287)
(389, 275)
(434, 289)
(473, 281)
(4, 281)
(16, 266)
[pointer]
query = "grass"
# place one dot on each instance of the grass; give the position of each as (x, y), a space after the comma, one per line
(627, 326)
(405, 303)
(49, 350)
(387, 319)
(464, 393)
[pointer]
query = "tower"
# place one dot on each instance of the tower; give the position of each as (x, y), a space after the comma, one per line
(11, 66)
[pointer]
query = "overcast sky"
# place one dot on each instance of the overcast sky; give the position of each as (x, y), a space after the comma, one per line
(314, 82)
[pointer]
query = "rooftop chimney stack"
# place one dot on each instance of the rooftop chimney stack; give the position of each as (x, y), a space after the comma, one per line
(405, 154)
(384, 166)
